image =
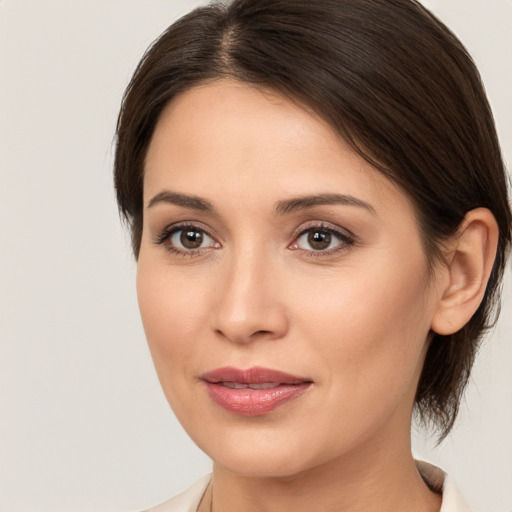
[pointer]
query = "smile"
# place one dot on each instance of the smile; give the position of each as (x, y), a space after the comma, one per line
(255, 391)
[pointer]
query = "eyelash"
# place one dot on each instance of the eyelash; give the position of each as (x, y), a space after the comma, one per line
(346, 239)
(169, 231)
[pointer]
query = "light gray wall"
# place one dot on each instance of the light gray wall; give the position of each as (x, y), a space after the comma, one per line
(83, 423)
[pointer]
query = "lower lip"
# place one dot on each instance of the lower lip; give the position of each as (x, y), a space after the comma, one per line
(255, 402)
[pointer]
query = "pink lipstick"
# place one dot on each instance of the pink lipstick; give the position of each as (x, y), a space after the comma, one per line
(254, 391)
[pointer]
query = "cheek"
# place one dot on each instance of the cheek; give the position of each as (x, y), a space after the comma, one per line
(369, 327)
(169, 314)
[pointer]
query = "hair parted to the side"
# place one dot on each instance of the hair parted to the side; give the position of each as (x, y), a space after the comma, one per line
(393, 82)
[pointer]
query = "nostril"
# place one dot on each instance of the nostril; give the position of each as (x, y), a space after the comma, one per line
(245, 337)
(244, 323)
(260, 333)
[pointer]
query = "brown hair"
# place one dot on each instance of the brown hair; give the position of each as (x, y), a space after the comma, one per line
(393, 82)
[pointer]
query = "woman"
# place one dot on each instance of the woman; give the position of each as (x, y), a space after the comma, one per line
(319, 211)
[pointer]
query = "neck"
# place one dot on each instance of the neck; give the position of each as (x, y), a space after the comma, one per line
(378, 478)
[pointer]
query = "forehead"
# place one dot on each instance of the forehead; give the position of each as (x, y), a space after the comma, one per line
(230, 119)
(241, 142)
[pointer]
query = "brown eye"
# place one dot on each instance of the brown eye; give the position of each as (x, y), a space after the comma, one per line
(322, 240)
(319, 240)
(191, 239)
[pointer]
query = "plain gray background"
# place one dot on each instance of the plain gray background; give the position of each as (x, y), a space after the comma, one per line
(83, 423)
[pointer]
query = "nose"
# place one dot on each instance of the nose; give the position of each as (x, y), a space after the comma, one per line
(248, 300)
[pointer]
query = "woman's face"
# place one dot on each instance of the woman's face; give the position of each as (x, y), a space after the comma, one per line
(269, 246)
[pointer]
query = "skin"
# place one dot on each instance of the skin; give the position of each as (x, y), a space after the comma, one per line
(354, 318)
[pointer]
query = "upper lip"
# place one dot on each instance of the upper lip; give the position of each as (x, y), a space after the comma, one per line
(254, 375)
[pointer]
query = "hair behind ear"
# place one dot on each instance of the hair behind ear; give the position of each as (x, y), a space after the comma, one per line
(469, 264)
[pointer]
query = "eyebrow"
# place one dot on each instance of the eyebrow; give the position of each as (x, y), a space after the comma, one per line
(310, 201)
(193, 202)
(281, 207)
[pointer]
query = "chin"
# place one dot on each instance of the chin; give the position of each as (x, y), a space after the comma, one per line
(261, 465)
(256, 454)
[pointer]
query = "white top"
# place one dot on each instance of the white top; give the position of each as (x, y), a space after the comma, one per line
(436, 479)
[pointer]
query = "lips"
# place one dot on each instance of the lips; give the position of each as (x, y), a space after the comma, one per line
(254, 391)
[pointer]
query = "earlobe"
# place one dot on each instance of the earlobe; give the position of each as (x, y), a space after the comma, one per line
(469, 265)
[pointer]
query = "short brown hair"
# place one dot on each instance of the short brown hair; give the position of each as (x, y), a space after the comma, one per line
(393, 82)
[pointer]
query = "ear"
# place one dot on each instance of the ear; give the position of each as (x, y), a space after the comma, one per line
(469, 264)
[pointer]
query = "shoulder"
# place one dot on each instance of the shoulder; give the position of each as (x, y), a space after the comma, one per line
(187, 501)
(440, 482)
